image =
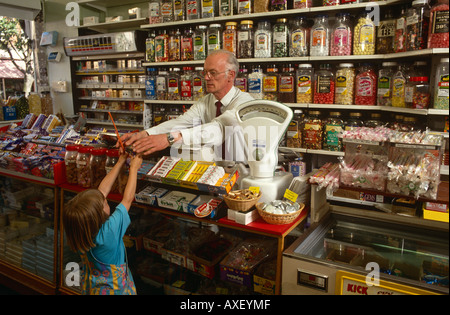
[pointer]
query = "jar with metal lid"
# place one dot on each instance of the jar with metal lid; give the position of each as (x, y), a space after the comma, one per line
(175, 45)
(226, 7)
(441, 85)
(366, 86)
(193, 8)
(173, 84)
(384, 83)
(162, 47)
(299, 38)
(186, 84)
(198, 90)
(417, 20)
(97, 166)
(179, 10)
(214, 37)
(263, 40)
(187, 45)
(345, 84)
(374, 121)
(286, 84)
(341, 36)
(241, 81)
(200, 42)
(112, 156)
(438, 31)
(354, 121)
(244, 6)
(278, 5)
(312, 131)
(70, 160)
(294, 133)
(83, 172)
(396, 123)
(245, 39)
(150, 47)
(417, 93)
(398, 85)
(166, 11)
(161, 85)
(280, 39)
(400, 30)
(270, 83)
(333, 127)
(320, 36)
(255, 83)
(364, 35)
(210, 8)
(230, 37)
(324, 85)
(386, 33)
(304, 83)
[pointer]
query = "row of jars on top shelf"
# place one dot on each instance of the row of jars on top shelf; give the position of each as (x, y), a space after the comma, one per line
(409, 30)
(392, 84)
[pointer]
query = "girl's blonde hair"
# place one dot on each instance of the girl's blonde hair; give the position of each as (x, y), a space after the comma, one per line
(82, 218)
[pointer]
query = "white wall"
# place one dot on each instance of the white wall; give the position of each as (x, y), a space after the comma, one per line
(55, 15)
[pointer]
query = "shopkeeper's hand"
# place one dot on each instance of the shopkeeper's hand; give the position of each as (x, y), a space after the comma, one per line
(150, 144)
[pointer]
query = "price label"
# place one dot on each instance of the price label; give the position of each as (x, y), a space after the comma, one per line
(290, 195)
(254, 189)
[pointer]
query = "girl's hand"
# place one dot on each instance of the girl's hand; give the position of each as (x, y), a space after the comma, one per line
(136, 162)
(123, 157)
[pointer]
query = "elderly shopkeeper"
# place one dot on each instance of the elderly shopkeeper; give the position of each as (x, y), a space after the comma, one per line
(203, 125)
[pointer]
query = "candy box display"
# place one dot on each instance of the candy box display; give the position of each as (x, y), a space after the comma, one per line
(264, 278)
(414, 164)
(176, 200)
(155, 239)
(238, 266)
(364, 164)
(150, 194)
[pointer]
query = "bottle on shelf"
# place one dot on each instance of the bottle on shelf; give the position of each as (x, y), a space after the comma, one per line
(417, 93)
(364, 35)
(150, 84)
(193, 8)
(398, 85)
(245, 40)
(226, 7)
(255, 83)
(187, 45)
(304, 83)
(241, 81)
(179, 10)
(417, 20)
(355, 121)
(278, 5)
(150, 47)
(200, 42)
(441, 85)
(320, 36)
(198, 89)
(162, 44)
(341, 36)
(386, 33)
(175, 45)
(270, 83)
(244, 6)
(154, 12)
(366, 85)
(173, 83)
(385, 75)
(345, 84)
(438, 31)
(161, 84)
(280, 38)
(186, 84)
(324, 85)
(166, 11)
(210, 8)
(230, 37)
(263, 40)
(299, 38)
(374, 121)
(214, 37)
(312, 131)
(400, 30)
(286, 84)
(333, 127)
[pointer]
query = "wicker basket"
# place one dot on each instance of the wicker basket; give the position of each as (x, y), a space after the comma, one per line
(272, 218)
(240, 205)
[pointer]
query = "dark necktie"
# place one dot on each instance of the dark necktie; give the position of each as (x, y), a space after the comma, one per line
(218, 113)
(218, 106)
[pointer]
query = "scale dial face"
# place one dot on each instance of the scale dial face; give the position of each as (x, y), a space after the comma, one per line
(259, 110)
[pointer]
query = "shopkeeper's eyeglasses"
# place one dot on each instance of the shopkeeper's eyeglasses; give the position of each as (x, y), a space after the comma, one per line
(212, 74)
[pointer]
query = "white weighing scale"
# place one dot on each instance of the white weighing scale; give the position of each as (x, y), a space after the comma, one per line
(263, 125)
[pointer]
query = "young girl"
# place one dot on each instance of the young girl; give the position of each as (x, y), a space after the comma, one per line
(96, 234)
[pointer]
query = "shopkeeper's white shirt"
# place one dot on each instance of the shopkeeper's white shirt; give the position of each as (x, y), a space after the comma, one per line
(199, 125)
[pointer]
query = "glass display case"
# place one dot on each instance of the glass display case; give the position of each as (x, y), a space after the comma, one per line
(392, 253)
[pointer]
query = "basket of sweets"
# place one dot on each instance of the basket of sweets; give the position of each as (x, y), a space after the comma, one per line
(279, 211)
(241, 200)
